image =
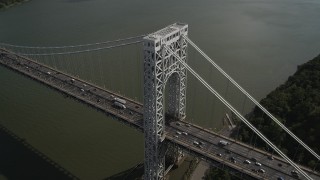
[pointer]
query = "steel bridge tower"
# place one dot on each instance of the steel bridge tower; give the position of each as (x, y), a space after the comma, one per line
(160, 68)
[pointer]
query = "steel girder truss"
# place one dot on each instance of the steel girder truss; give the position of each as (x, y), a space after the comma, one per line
(161, 67)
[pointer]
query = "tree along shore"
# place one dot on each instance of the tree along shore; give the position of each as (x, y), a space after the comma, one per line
(296, 103)
(8, 3)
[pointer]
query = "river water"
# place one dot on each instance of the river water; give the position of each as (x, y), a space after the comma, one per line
(258, 42)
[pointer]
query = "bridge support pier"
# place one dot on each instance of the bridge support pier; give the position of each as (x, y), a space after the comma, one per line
(160, 67)
(174, 154)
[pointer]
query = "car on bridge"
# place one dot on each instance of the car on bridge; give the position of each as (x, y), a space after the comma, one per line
(247, 161)
(122, 101)
(119, 105)
(198, 144)
(295, 174)
(233, 159)
(223, 143)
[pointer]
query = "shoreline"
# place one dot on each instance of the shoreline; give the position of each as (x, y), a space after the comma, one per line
(4, 7)
(200, 170)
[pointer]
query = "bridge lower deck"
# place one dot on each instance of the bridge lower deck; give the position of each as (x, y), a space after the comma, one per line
(102, 100)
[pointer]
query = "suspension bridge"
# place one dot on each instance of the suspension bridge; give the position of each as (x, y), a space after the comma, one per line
(165, 60)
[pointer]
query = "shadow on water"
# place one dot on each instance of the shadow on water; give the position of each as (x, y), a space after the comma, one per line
(19, 160)
(135, 173)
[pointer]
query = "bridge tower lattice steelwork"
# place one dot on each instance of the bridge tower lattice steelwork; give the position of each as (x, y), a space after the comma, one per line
(161, 67)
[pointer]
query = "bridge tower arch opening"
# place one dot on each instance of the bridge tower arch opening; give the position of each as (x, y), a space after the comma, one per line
(161, 68)
(172, 97)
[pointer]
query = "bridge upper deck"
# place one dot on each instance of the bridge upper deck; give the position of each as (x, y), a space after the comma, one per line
(102, 100)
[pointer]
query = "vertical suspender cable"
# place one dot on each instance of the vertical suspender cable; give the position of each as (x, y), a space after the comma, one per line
(54, 61)
(100, 68)
(251, 98)
(90, 66)
(74, 64)
(239, 115)
(68, 59)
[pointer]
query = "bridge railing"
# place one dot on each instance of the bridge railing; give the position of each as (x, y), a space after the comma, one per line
(90, 61)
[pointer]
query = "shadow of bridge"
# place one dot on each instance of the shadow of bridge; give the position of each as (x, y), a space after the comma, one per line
(20, 160)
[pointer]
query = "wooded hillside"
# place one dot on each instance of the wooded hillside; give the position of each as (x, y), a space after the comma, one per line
(297, 104)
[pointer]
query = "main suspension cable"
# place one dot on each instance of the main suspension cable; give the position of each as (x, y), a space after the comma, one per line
(73, 46)
(83, 51)
(238, 114)
(251, 98)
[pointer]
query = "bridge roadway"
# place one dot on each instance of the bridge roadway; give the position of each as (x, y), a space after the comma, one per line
(102, 100)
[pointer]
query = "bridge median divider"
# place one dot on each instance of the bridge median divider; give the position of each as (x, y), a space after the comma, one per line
(249, 147)
(132, 122)
(76, 96)
(213, 157)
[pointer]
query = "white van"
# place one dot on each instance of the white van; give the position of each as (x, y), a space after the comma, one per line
(223, 142)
